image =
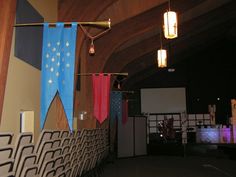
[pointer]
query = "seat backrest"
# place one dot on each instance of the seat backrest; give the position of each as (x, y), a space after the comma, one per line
(83, 160)
(44, 136)
(79, 169)
(55, 134)
(67, 164)
(73, 148)
(84, 132)
(56, 143)
(5, 138)
(68, 172)
(65, 149)
(22, 139)
(74, 170)
(24, 150)
(65, 173)
(74, 162)
(84, 138)
(65, 142)
(65, 133)
(72, 141)
(30, 171)
(87, 159)
(57, 152)
(59, 168)
(58, 161)
(10, 174)
(66, 157)
(46, 145)
(73, 155)
(49, 173)
(6, 166)
(46, 166)
(46, 156)
(25, 162)
(78, 139)
(6, 152)
(62, 174)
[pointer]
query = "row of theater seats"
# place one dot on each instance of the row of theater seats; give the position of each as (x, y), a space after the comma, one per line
(56, 153)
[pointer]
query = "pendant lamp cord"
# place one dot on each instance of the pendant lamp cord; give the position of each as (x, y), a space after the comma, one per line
(169, 4)
(161, 37)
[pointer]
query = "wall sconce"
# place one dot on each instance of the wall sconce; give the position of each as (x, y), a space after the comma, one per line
(82, 115)
(170, 24)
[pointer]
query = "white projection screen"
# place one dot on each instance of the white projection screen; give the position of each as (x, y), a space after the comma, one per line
(163, 100)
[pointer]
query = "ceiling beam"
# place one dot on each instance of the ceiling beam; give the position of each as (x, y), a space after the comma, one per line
(130, 29)
(120, 59)
(188, 48)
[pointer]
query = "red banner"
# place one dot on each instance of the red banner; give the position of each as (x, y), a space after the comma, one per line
(101, 96)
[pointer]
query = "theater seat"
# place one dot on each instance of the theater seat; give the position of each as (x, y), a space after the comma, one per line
(5, 138)
(6, 166)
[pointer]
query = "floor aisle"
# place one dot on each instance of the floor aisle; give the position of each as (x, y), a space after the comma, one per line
(169, 166)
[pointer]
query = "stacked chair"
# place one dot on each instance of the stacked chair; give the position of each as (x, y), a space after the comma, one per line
(56, 153)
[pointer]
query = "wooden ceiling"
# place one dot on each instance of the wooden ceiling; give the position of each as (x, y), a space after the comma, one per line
(207, 29)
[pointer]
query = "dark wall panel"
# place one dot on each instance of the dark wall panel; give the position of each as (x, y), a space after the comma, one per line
(28, 45)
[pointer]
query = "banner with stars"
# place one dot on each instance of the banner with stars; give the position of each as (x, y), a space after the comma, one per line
(57, 75)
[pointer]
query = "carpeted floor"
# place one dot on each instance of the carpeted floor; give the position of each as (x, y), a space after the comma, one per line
(170, 166)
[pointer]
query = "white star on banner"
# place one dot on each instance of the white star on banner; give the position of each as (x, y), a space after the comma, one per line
(52, 69)
(67, 44)
(58, 43)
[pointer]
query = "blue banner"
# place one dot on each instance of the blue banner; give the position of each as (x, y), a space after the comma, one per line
(115, 106)
(58, 62)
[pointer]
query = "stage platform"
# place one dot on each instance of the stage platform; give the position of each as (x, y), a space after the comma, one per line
(226, 151)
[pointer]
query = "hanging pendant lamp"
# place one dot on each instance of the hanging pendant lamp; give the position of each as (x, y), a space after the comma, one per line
(162, 58)
(161, 55)
(170, 24)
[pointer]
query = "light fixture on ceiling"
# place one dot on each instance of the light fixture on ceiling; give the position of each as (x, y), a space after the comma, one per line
(161, 55)
(170, 24)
